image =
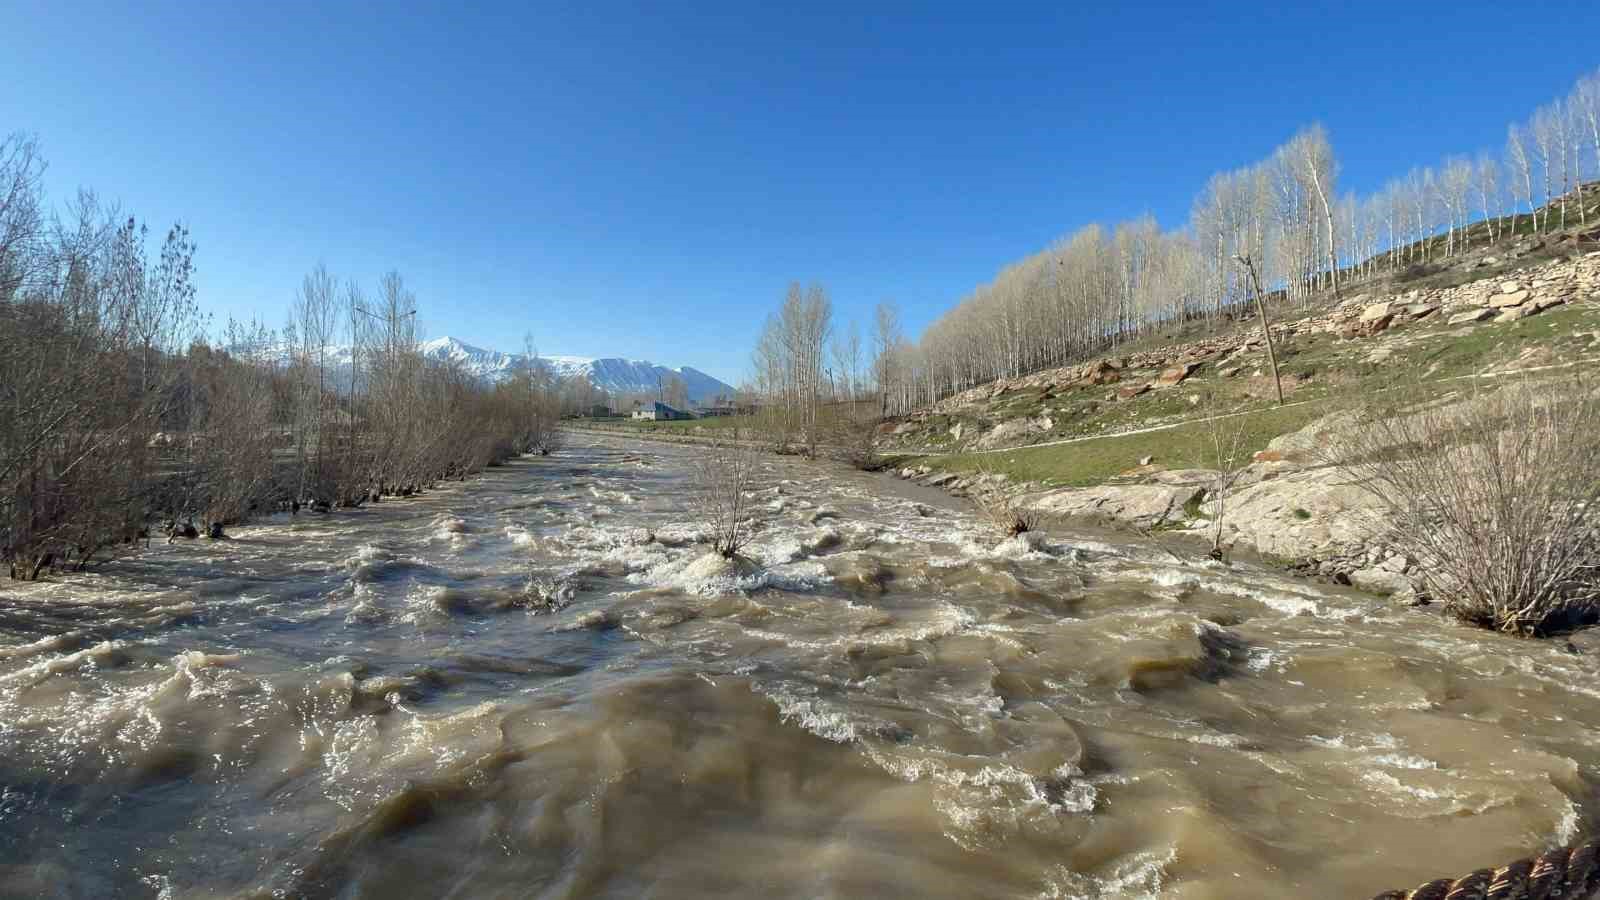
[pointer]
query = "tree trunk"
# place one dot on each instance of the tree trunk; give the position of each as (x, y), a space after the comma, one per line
(1266, 329)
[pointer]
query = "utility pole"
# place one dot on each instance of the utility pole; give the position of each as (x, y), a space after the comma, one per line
(1266, 329)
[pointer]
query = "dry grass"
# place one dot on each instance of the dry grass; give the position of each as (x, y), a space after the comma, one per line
(1495, 497)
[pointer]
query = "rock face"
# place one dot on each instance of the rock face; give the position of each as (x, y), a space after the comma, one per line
(1316, 513)
(1007, 433)
(1137, 505)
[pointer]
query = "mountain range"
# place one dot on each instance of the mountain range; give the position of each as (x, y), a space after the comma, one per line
(612, 374)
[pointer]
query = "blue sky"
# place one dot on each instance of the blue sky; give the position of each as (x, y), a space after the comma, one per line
(644, 180)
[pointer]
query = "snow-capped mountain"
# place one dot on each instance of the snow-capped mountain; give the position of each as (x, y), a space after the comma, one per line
(615, 376)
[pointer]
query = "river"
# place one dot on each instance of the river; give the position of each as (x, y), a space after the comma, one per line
(530, 685)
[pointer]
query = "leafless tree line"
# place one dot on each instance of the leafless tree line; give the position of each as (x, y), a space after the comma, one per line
(818, 387)
(1101, 286)
(122, 408)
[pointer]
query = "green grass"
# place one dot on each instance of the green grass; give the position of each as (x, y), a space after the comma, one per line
(1325, 371)
(1339, 372)
(1448, 354)
(1098, 460)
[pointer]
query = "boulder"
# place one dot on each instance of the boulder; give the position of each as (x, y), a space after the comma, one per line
(1422, 310)
(1228, 371)
(1513, 298)
(1380, 580)
(1375, 312)
(1510, 287)
(1475, 315)
(957, 430)
(1101, 372)
(1310, 513)
(1514, 313)
(1130, 391)
(1313, 442)
(1137, 505)
(1176, 374)
(1010, 432)
(1374, 326)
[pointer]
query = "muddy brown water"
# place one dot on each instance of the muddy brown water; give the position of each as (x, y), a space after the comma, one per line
(532, 685)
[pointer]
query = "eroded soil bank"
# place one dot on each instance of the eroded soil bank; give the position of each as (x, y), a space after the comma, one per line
(534, 684)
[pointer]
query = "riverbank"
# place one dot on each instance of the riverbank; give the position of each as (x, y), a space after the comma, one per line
(1288, 506)
(1179, 441)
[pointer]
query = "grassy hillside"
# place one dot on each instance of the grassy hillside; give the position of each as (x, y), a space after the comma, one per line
(1060, 428)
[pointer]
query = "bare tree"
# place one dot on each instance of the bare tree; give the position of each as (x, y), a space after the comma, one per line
(1586, 102)
(886, 337)
(1227, 456)
(1486, 177)
(722, 479)
(1520, 162)
(1315, 162)
(790, 365)
(1545, 129)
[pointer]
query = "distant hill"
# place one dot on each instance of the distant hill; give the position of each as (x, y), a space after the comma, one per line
(615, 375)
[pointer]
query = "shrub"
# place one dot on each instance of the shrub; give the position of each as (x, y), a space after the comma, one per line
(1495, 498)
(1002, 511)
(721, 480)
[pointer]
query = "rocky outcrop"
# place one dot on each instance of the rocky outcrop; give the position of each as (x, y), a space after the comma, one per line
(1315, 513)
(1469, 317)
(1176, 375)
(1289, 503)
(1136, 505)
(1514, 298)
(1101, 372)
(1012, 431)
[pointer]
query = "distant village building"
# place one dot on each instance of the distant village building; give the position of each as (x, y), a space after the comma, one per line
(706, 412)
(660, 412)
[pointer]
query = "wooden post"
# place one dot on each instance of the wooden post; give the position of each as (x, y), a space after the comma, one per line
(1266, 329)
